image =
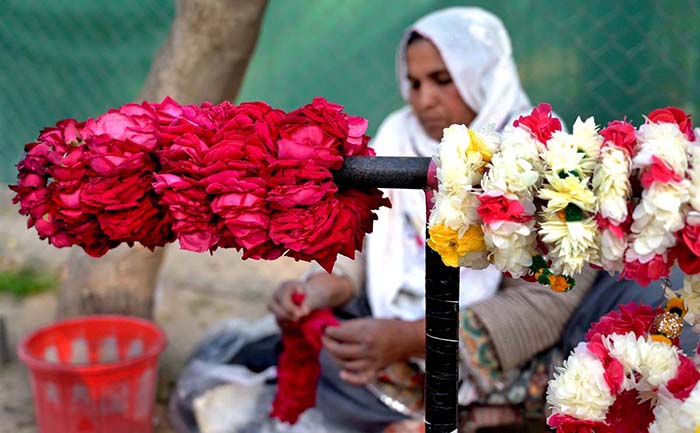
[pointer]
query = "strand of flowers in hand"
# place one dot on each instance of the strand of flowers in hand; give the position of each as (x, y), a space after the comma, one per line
(585, 182)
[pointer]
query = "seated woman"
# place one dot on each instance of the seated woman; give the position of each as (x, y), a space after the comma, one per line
(454, 66)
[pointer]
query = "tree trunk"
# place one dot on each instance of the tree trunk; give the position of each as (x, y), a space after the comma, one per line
(203, 59)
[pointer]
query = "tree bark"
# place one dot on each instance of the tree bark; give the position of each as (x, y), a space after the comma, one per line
(204, 58)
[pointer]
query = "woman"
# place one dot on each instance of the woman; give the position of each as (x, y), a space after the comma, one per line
(454, 66)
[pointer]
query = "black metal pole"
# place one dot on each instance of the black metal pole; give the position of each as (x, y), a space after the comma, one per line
(441, 287)
(441, 344)
(383, 172)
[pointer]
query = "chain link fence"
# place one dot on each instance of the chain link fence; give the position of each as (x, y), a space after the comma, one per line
(608, 59)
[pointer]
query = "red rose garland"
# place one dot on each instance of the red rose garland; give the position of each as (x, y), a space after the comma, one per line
(233, 176)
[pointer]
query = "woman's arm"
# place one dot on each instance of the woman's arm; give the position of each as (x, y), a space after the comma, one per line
(320, 289)
(525, 318)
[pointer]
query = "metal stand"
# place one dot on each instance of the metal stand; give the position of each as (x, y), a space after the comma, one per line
(441, 287)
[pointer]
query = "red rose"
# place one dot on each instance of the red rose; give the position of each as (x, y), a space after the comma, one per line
(690, 235)
(114, 193)
(659, 171)
(614, 370)
(318, 232)
(145, 223)
(111, 158)
(630, 318)
(687, 249)
(360, 204)
(540, 123)
(645, 273)
(300, 185)
(240, 202)
(568, 424)
(628, 415)
(621, 134)
(255, 127)
(674, 115)
(686, 379)
(500, 208)
(188, 203)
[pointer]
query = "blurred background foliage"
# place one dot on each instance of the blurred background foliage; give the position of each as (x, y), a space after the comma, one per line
(608, 59)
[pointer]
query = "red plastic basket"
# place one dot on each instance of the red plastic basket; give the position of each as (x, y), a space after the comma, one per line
(94, 374)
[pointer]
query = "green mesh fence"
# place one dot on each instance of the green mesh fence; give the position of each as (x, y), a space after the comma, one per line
(609, 59)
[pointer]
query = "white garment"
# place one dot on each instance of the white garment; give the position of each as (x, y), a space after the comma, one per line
(477, 52)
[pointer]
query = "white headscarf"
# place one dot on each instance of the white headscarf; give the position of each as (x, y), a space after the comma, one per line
(477, 52)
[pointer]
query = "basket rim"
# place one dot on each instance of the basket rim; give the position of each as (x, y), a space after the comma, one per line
(41, 365)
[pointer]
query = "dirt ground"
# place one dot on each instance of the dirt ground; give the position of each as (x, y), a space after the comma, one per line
(194, 292)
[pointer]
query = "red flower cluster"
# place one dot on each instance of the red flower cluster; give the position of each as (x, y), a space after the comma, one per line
(621, 134)
(233, 176)
(674, 115)
(631, 317)
(501, 208)
(540, 122)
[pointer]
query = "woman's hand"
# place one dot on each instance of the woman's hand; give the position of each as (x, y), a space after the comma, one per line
(362, 347)
(319, 291)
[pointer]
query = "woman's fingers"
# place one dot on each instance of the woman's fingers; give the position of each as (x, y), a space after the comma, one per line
(351, 331)
(341, 351)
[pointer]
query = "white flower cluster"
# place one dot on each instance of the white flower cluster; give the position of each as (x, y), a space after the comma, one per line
(514, 173)
(648, 364)
(611, 185)
(462, 156)
(660, 212)
(570, 161)
(675, 416)
(579, 388)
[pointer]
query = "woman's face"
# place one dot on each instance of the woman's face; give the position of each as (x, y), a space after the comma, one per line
(433, 95)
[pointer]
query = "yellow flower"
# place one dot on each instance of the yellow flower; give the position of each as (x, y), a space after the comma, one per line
(451, 246)
(571, 189)
(477, 144)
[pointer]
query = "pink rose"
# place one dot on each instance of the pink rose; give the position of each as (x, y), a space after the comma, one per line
(135, 123)
(500, 208)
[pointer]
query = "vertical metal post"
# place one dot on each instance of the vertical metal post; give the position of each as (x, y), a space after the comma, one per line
(441, 341)
(441, 285)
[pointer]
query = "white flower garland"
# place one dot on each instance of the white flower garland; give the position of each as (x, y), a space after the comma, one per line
(568, 226)
(514, 173)
(660, 212)
(612, 187)
(462, 156)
